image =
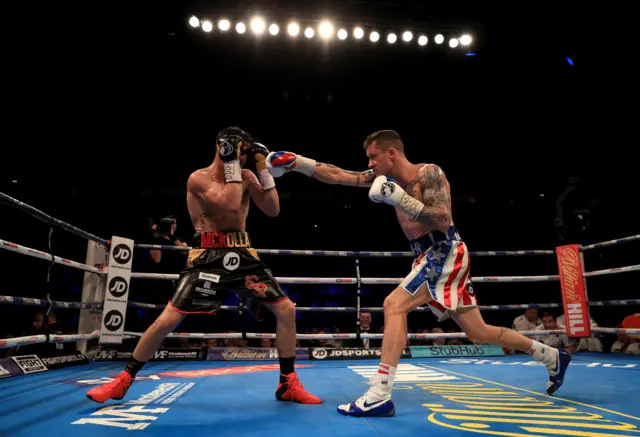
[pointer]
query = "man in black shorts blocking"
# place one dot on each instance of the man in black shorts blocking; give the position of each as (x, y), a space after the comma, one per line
(218, 199)
(223, 262)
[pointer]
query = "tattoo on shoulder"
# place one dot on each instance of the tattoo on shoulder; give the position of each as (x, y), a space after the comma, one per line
(434, 191)
(433, 177)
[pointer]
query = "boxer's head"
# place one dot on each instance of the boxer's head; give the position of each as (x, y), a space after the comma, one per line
(232, 136)
(549, 321)
(383, 149)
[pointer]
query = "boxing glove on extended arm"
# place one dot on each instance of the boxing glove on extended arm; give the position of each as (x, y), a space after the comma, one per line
(279, 163)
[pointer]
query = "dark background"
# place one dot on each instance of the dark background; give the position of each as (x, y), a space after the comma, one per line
(109, 108)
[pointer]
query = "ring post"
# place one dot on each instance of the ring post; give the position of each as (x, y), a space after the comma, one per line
(358, 293)
(93, 289)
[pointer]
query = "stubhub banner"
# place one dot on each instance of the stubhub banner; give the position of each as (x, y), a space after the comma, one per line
(470, 350)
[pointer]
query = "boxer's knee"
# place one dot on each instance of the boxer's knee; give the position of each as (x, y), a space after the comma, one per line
(285, 312)
(168, 320)
(396, 303)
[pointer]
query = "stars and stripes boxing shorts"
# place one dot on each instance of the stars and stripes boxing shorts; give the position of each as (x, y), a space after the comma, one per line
(442, 265)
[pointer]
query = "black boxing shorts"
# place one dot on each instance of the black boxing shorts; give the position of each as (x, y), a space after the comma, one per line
(222, 263)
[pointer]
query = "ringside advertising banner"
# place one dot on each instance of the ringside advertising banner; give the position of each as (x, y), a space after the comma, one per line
(117, 291)
(349, 353)
(188, 354)
(67, 360)
(9, 368)
(574, 291)
(250, 353)
(471, 350)
(30, 364)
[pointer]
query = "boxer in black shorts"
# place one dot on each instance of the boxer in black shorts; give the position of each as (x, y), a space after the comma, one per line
(223, 261)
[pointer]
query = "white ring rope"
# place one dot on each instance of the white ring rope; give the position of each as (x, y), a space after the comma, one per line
(53, 338)
(377, 336)
(13, 247)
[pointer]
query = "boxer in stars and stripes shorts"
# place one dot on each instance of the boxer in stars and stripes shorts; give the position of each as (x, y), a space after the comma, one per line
(442, 262)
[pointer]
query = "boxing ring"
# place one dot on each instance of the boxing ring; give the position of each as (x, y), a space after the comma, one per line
(474, 390)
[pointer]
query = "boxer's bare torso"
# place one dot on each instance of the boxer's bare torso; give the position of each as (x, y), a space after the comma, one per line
(212, 216)
(429, 186)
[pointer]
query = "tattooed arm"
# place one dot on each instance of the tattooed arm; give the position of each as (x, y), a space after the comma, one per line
(436, 212)
(330, 174)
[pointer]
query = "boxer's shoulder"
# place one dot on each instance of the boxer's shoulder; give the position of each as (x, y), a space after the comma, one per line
(432, 176)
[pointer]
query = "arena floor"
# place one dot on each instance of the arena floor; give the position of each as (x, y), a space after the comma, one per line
(496, 396)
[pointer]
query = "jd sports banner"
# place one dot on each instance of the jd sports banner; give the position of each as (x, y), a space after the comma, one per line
(117, 292)
(328, 353)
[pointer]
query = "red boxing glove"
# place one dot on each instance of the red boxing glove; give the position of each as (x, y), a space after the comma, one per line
(279, 163)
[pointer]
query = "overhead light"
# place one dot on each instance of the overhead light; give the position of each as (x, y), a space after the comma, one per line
(374, 36)
(326, 30)
(423, 40)
(465, 40)
(453, 43)
(392, 38)
(439, 39)
(274, 29)
(407, 36)
(258, 25)
(358, 33)
(194, 22)
(342, 34)
(224, 25)
(241, 28)
(309, 32)
(293, 29)
(207, 26)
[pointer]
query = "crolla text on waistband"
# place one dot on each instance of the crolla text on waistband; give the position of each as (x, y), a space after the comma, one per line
(222, 240)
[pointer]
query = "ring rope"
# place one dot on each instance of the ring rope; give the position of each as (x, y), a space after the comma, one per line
(611, 242)
(79, 232)
(377, 336)
(13, 247)
(35, 339)
(28, 301)
(364, 254)
(46, 218)
(612, 271)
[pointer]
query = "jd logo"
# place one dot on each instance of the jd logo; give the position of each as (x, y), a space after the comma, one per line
(118, 286)
(319, 353)
(231, 261)
(226, 149)
(122, 254)
(113, 320)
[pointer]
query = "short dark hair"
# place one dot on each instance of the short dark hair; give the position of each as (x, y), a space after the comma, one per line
(548, 314)
(385, 139)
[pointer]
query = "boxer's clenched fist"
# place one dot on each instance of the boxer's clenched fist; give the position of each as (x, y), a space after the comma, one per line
(384, 190)
(231, 149)
(279, 163)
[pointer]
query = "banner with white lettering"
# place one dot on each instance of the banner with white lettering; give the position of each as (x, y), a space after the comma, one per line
(117, 292)
(574, 291)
